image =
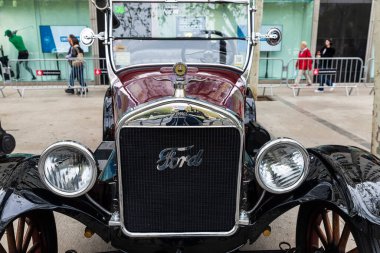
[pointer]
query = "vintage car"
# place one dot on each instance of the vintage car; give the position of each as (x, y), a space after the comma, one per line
(184, 167)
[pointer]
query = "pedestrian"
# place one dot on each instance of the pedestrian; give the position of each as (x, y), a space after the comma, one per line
(327, 51)
(304, 64)
(23, 53)
(75, 57)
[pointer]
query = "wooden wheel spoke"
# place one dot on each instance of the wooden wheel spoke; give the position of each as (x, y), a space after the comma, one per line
(354, 250)
(11, 239)
(35, 247)
(334, 235)
(327, 225)
(344, 238)
(336, 230)
(321, 235)
(28, 236)
(20, 233)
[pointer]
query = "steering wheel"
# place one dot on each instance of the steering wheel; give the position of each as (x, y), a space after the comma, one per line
(209, 52)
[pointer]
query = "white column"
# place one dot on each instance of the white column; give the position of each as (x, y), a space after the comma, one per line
(95, 46)
(376, 104)
(94, 27)
(314, 33)
(370, 34)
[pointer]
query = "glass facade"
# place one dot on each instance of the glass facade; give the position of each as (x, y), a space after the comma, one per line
(27, 16)
(295, 20)
(345, 21)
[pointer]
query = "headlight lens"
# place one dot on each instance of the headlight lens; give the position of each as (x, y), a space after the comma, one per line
(281, 165)
(68, 169)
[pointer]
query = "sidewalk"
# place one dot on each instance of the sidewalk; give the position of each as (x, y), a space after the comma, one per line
(43, 117)
(320, 119)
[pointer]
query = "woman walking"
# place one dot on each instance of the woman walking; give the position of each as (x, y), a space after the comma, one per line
(327, 51)
(76, 61)
(304, 64)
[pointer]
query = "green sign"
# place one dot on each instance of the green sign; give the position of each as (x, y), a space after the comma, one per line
(119, 9)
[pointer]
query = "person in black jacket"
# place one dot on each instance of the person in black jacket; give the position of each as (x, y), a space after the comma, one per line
(327, 51)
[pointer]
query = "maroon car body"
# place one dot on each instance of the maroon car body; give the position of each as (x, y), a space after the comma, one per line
(220, 86)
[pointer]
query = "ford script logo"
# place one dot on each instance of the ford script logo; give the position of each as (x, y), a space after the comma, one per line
(168, 158)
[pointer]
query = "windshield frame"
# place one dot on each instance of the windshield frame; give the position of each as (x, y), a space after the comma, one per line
(249, 38)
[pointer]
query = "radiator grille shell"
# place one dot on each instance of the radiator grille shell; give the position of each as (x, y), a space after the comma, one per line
(199, 199)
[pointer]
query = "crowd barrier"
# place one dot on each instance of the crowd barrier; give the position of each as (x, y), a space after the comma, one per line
(53, 73)
(347, 73)
(2, 85)
(271, 69)
(342, 72)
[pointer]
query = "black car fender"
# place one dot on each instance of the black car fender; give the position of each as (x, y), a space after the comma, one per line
(22, 191)
(345, 177)
(356, 173)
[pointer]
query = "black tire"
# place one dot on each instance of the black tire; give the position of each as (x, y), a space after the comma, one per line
(43, 235)
(312, 214)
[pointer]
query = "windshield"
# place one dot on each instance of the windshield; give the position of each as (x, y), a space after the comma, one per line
(166, 33)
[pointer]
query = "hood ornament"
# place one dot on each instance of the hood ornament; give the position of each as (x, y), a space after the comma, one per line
(180, 71)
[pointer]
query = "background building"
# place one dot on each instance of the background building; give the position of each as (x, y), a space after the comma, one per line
(346, 22)
(29, 15)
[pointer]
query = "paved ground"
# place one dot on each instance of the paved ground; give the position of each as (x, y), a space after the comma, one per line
(44, 117)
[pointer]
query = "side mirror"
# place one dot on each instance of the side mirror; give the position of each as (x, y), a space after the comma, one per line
(87, 36)
(7, 142)
(101, 4)
(274, 36)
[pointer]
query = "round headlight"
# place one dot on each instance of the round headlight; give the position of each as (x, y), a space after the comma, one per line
(281, 165)
(68, 169)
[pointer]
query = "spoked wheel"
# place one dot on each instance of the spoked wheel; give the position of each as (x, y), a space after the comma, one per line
(31, 233)
(326, 230)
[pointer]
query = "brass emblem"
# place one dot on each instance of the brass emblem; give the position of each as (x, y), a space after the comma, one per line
(180, 69)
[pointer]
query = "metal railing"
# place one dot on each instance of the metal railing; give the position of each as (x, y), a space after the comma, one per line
(52, 74)
(271, 69)
(3, 80)
(345, 73)
(369, 75)
(342, 72)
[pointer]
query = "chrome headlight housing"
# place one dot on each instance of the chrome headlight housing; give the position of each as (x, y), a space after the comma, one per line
(68, 169)
(281, 165)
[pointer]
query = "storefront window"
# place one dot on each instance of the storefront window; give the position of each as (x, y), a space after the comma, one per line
(294, 18)
(34, 19)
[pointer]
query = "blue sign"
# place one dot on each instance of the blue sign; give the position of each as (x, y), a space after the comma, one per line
(54, 39)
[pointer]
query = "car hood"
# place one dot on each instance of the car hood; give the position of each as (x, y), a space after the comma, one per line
(218, 87)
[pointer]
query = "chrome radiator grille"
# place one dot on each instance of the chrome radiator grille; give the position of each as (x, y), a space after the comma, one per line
(195, 194)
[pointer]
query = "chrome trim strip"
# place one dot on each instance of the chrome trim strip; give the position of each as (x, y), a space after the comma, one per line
(233, 68)
(236, 124)
(250, 46)
(73, 145)
(98, 205)
(186, 1)
(268, 146)
(257, 204)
